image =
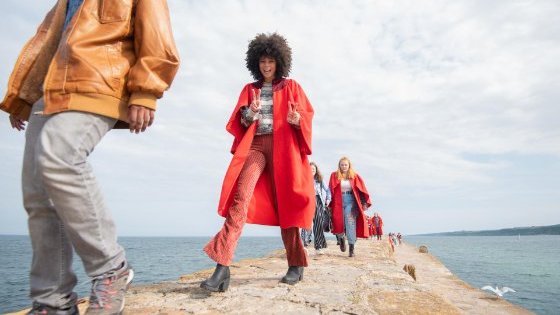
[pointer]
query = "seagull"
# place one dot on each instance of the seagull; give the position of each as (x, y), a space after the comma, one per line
(498, 291)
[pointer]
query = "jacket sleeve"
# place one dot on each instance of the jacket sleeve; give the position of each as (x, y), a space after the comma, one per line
(327, 193)
(306, 111)
(332, 184)
(234, 126)
(363, 192)
(157, 60)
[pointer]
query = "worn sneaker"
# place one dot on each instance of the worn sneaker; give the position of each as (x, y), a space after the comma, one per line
(43, 309)
(108, 292)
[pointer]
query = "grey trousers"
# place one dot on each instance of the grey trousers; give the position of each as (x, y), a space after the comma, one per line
(64, 203)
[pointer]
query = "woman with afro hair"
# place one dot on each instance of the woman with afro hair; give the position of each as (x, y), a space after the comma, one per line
(269, 179)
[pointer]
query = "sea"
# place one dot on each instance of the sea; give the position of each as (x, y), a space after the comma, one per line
(528, 264)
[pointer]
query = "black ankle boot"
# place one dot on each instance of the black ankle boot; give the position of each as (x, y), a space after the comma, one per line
(351, 254)
(293, 276)
(219, 281)
(343, 243)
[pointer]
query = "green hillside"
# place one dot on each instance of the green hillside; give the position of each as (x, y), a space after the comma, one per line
(531, 230)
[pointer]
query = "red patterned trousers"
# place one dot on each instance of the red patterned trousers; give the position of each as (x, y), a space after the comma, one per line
(222, 247)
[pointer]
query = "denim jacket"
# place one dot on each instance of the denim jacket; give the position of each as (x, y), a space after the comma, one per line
(323, 192)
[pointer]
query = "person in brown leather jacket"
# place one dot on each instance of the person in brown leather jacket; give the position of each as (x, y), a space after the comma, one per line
(92, 66)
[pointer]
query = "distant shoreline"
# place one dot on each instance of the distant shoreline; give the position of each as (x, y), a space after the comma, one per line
(516, 231)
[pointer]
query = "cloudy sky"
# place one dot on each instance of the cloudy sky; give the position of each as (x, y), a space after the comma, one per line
(448, 109)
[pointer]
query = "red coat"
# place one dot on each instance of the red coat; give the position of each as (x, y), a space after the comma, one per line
(371, 227)
(358, 185)
(378, 231)
(292, 173)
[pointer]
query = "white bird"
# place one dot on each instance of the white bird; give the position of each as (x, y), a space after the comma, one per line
(498, 291)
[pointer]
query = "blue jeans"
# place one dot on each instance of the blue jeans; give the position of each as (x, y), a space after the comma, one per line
(64, 203)
(350, 209)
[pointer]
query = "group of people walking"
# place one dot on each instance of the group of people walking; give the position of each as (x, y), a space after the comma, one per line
(340, 208)
(98, 65)
(270, 180)
(375, 224)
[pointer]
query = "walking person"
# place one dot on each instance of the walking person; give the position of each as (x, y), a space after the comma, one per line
(306, 236)
(269, 179)
(322, 199)
(350, 199)
(377, 225)
(371, 229)
(92, 66)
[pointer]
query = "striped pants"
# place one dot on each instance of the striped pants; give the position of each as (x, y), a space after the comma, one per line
(221, 248)
(319, 225)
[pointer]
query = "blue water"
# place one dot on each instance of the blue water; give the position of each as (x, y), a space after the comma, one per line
(154, 259)
(528, 264)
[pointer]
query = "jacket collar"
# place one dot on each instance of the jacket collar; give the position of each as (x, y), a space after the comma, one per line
(277, 84)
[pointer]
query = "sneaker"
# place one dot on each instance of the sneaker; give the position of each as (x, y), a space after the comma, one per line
(108, 292)
(319, 252)
(43, 309)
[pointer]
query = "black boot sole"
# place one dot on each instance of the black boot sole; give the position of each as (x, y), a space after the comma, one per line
(222, 287)
(292, 282)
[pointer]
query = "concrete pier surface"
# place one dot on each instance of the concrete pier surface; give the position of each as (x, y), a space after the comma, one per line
(372, 282)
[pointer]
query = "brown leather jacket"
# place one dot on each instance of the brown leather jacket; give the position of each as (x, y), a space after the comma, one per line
(111, 55)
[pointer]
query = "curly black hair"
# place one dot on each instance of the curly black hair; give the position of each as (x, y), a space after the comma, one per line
(274, 46)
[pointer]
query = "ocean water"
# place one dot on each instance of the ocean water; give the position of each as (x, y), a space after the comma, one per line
(528, 264)
(154, 259)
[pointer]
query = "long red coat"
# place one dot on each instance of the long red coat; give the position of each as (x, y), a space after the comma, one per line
(371, 227)
(378, 231)
(292, 174)
(358, 185)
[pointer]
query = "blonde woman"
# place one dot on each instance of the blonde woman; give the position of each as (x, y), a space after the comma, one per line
(350, 199)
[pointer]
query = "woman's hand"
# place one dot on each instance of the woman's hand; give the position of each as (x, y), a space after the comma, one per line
(293, 115)
(256, 103)
(17, 123)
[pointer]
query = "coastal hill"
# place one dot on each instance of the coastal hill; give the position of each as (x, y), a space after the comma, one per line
(373, 282)
(532, 230)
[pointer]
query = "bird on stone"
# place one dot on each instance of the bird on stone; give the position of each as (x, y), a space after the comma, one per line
(497, 290)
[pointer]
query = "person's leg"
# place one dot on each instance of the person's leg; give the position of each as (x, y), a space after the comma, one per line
(222, 247)
(341, 238)
(305, 237)
(295, 254)
(319, 240)
(51, 277)
(295, 251)
(64, 144)
(350, 218)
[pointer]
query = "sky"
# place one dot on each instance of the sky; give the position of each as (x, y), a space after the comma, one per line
(448, 110)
